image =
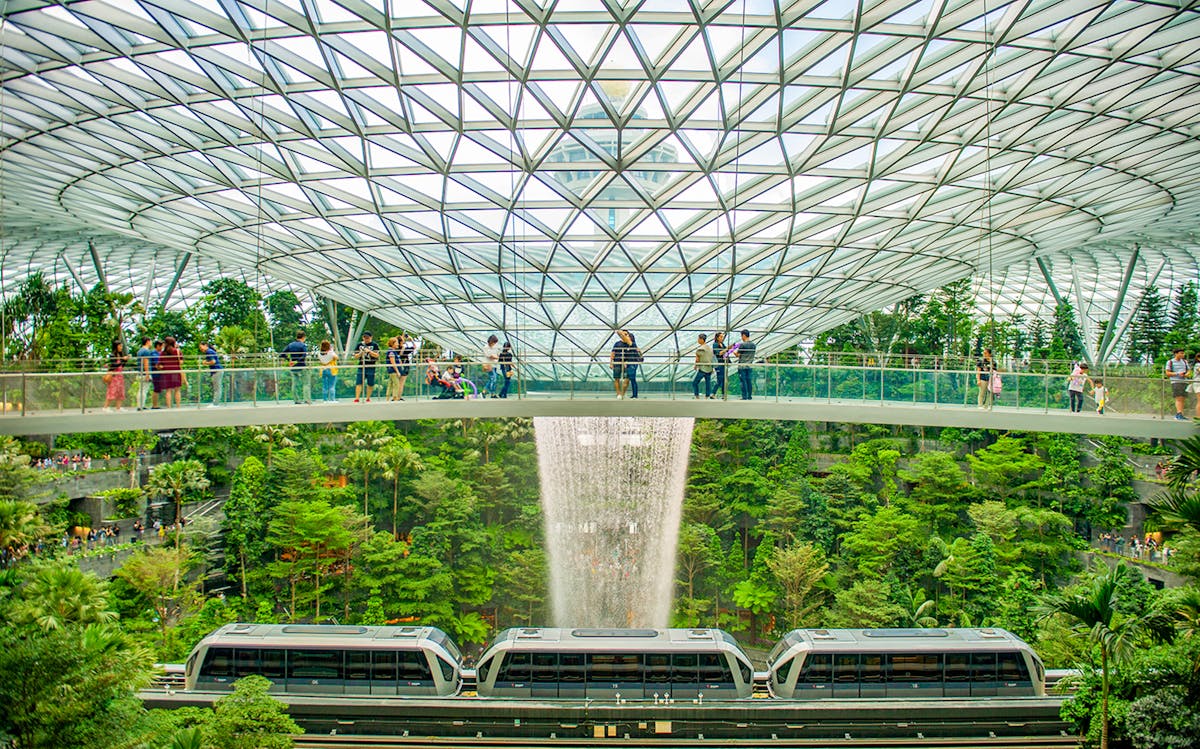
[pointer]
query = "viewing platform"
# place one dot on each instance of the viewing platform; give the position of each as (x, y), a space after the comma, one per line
(1139, 406)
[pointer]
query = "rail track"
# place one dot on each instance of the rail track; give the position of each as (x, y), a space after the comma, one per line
(391, 742)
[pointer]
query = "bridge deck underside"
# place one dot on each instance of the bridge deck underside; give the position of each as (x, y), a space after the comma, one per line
(787, 409)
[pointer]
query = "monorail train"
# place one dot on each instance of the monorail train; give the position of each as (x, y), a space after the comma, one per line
(810, 664)
(329, 659)
(551, 663)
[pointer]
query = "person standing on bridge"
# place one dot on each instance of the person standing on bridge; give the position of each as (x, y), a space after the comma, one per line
(173, 376)
(745, 353)
(115, 377)
(984, 369)
(703, 367)
(1075, 384)
(721, 365)
(212, 360)
(616, 358)
(296, 354)
(490, 359)
(633, 357)
(1195, 386)
(145, 371)
(1177, 369)
(367, 354)
(507, 368)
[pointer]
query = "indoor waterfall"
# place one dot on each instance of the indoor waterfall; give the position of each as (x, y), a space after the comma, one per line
(612, 493)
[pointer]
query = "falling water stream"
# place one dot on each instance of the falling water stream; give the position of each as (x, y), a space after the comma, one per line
(612, 493)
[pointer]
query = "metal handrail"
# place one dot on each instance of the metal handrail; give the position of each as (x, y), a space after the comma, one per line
(589, 376)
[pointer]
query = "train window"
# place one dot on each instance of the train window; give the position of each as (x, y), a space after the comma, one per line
(714, 669)
(983, 667)
(958, 667)
(782, 671)
(571, 667)
(684, 668)
(746, 671)
(514, 667)
(614, 667)
(481, 670)
(271, 660)
(218, 662)
(447, 669)
(191, 664)
(544, 667)
(817, 669)
(915, 667)
(383, 665)
(245, 662)
(358, 665)
(871, 668)
(314, 664)
(658, 668)
(845, 667)
(413, 665)
(1012, 667)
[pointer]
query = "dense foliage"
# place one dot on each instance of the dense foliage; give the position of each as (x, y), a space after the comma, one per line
(439, 522)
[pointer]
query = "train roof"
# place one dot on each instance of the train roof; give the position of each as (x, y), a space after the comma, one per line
(329, 635)
(614, 640)
(991, 638)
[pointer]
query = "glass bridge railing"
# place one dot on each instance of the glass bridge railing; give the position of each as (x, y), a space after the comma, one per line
(28, 393)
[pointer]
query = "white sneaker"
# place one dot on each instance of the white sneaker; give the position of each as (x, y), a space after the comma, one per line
(620, 397)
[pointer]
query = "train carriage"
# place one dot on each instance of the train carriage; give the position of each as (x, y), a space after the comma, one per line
(329, 659)
(551, 663)
(810, 664)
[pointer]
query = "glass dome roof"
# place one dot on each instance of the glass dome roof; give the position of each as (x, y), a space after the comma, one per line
(552, 170)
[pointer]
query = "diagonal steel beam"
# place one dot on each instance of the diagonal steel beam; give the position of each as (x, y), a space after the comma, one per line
(183, 264)
(1133, 312)
(1108, 341)
(1059, 299)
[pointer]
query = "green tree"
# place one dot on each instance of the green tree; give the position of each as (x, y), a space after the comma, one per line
(308, 537)
(363, 462)
(250, 718)
(1093, 612)
(59, 595)
(397, 460)
(274, 437)
(1005, 468)
(799, 571)
(1185, 317)
(177, 481)
(1148, 333)
(72, 686)
(161, 576)
(1066, 330)
(938, 485)
(245, 524)
(866, 603)
(886, 542)
(19, 524)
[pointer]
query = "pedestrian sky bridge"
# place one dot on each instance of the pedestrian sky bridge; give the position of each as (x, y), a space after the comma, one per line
(1140, 406)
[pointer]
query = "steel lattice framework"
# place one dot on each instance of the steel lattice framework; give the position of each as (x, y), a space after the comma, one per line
(550, 170)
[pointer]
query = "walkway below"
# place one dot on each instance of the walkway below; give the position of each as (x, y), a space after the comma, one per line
(560, 404)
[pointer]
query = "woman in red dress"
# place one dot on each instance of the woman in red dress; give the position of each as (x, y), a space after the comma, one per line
(114, 394)
(170, 364)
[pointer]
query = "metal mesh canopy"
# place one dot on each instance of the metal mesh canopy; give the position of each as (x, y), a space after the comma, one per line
(551, 170)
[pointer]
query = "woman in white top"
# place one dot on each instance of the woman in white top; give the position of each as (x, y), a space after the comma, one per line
(329, 369)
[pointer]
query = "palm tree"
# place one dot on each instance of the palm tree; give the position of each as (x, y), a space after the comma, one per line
(176, 480)
(274, 435)
(61, 594)
(918, 608)
(398, 459)
(1177, 506)
(365, 461)
(1183, 468)
(19, 523)
(1091, 610)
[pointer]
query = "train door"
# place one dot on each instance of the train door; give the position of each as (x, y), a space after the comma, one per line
(871, 674)
(315, 672)
(572, 670)
(544, 676)
(983, 675)
(414, 673)
(845, 675)
(815, 679)
(658, 674)
(610, 674)
(1013, 676)
(914, 675)
(958, 675)
(685, 675)
(716, 677)
(358, 672)
(383, 672)
(512, 675)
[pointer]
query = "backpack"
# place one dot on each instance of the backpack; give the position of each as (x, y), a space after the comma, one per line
(996, 384)
(432, 374)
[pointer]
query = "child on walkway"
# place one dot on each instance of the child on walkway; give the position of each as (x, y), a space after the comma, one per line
(1100, 393)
